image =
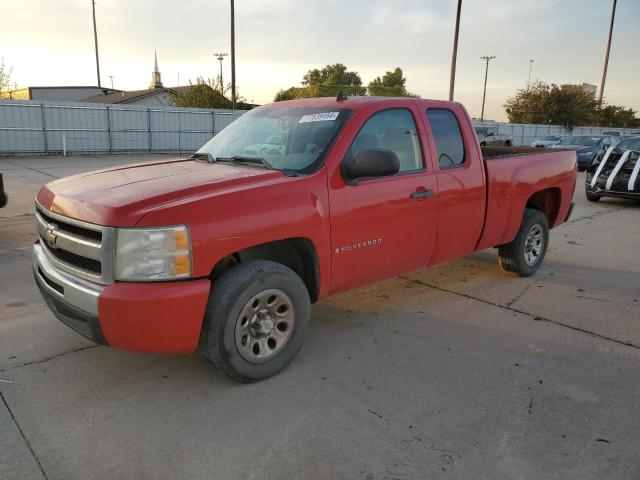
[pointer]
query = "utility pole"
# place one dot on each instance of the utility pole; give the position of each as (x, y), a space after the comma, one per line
(454, 55)
(530, 67)
(220, 57)
(95, 38)
(486, 72)
(606, 57)
(233, 57)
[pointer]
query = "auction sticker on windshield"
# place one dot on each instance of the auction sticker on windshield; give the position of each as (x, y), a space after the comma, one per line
(319, 117)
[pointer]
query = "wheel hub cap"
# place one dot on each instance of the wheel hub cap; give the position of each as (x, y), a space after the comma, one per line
(264, 325)
(533, 245)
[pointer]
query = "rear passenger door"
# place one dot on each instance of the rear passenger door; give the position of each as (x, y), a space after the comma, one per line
(461, 181)
(385, 226)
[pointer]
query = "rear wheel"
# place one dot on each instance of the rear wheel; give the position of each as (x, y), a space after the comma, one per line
(525, 254)
(256, 320)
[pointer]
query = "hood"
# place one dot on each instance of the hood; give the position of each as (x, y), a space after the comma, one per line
(120, 196)
(578, 148)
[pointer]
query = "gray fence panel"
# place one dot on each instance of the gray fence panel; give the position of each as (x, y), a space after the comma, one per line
(51, 127)
(54, 127)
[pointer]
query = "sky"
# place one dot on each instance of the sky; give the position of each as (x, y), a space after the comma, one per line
(50, 42)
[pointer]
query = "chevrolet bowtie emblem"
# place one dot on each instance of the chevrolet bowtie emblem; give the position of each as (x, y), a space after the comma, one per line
(50, 235)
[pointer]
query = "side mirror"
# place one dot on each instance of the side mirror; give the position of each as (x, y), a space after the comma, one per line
(375, 162)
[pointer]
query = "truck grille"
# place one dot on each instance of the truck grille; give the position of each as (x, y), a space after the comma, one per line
(80, 248)
(76, 230)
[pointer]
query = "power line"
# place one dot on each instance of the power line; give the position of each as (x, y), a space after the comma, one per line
(233, 56)
(486, 73)
(606, 57)
(220, 57)
(95, 39)
(454, 55)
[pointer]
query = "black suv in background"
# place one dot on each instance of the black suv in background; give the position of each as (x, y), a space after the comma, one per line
(3, 196)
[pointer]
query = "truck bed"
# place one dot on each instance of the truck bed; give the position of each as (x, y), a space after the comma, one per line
(489, 153)
(539, 176)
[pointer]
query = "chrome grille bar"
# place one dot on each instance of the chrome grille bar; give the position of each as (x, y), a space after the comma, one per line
(80, 248)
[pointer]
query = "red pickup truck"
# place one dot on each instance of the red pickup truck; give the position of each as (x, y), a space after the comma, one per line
(294, 201)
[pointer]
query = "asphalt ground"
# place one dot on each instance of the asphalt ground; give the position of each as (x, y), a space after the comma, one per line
(457, 371)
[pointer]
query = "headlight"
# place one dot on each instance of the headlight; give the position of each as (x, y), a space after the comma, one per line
(153, 254)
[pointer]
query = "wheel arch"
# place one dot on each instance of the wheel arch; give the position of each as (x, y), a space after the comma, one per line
(297, 253)
(548, 202)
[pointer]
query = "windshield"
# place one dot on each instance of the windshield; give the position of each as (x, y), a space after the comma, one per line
(481, 131)
(289, 139)
(552, 138)
(582, 140)
(630, 144)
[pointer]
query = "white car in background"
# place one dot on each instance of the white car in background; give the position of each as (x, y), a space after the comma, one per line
(490, 136)
(548, 141)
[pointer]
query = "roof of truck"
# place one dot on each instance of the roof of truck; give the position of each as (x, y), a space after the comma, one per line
(354, 102)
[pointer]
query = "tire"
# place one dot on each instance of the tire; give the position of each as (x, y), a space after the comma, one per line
(592, 197)
(512, 257)
(507, 143)
(231, 317)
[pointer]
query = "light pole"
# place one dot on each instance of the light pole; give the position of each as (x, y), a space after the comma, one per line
(111, 77)
(606, 57)
(220, 57)
(486, 72)
(233, 56)
(95, 39)
(452, 80)
(530, 67)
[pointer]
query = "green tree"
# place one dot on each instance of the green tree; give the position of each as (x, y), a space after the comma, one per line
(392, 84)
(330, 75)
(544, 103)
(571, 106)
(326, 82)
(616, 116)
(206, 94)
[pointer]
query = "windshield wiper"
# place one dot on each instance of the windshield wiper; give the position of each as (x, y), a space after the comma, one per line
(240, 160)
(202, 156)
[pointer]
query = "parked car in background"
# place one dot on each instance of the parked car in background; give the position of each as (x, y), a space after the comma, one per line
(612, 133)
(588, 148)
(617, 174)
(3, 195)
(548, 141)
(488, 135)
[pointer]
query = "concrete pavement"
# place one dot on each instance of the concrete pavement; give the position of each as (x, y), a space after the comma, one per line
(458, 371)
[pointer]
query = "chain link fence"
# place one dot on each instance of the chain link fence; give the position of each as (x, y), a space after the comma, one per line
(28, 128)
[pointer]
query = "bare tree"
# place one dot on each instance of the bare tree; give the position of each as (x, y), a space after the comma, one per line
(5, 77)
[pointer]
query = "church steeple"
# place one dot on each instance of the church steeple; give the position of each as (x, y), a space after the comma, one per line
(156, 80)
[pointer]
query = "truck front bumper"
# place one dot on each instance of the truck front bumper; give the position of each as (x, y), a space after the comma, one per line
(161, 317)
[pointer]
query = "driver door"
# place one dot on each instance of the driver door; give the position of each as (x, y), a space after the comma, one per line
(386, 226)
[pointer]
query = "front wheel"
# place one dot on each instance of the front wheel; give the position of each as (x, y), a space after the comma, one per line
(592, 197)
(256, 320)
(525, 254)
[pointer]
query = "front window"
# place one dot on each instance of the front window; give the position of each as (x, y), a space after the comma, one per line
(392, 130)
(481, 131)
(552, 138)
(289, 139)
(582, 140)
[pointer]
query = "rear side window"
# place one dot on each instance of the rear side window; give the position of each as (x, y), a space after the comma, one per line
(446, 132)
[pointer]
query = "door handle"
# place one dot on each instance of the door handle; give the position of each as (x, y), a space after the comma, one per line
(422, 193)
